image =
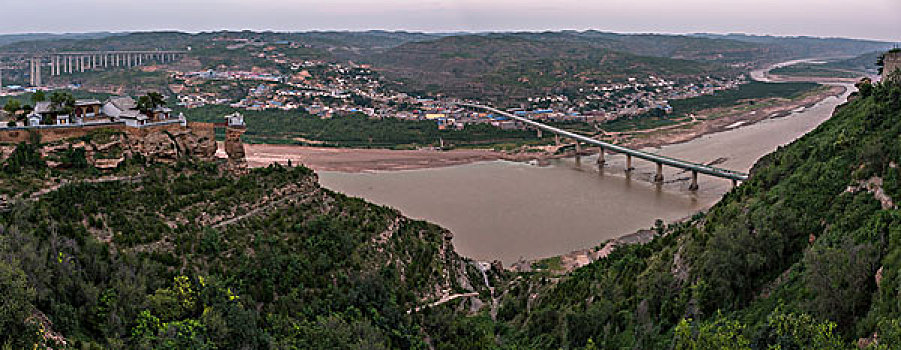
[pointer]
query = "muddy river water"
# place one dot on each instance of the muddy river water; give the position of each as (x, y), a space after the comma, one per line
(507, 211)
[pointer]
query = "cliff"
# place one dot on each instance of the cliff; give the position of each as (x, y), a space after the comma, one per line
(107, 147)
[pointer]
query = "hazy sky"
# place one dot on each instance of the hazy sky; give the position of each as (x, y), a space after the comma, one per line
(873, 19)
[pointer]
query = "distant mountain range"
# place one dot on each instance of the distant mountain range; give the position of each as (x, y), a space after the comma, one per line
(486, 64)
(6, 39)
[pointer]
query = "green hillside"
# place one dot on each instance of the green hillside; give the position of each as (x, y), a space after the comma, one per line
(788, 260)
(185, 257)
(806, 46)
(512, 67)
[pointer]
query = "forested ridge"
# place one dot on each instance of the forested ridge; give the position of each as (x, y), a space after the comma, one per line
(804, 255)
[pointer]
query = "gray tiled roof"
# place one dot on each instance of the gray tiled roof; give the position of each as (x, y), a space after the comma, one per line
(87, 102)
(123, 102)
(43, 107)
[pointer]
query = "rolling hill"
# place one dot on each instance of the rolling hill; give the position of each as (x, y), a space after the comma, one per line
(510, 67)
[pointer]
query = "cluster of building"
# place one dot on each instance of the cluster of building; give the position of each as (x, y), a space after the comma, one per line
(120, 109)
(623, 100)
(320, 88)
(230, 75)
(326, 89)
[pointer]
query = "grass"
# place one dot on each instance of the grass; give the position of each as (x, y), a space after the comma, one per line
(814, 70)
(359, 131)
(750, 91)
(637, 123)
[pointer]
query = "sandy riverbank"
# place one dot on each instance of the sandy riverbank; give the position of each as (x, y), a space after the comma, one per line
(721, 119)
(360, 160)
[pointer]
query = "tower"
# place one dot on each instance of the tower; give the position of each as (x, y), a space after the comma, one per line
(234, 147)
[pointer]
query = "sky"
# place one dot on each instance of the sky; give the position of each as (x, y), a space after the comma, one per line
(865, 19)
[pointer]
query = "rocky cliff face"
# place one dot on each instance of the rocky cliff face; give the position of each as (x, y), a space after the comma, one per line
(106, 149)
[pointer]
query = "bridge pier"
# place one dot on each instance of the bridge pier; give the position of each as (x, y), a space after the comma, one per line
(578, 151)
(694, 181)
(659, 177)
(629, 167)
(539, 133)
(601, 159)
(557, 140)
(734, 183)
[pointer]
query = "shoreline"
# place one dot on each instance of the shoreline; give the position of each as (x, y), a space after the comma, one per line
(359, 160)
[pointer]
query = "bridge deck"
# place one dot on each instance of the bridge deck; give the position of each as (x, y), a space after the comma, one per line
(656, 158)
(88, 53)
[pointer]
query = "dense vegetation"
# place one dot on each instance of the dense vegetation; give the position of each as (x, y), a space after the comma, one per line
(357, 130)
(815, 70)
(185, 257)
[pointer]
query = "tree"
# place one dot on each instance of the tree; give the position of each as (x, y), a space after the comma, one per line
(62, 102)
(15, 307)
(38, 96)
(718, 334)
(12, 106)
(147, 103)
(800, 331)
(840, 280)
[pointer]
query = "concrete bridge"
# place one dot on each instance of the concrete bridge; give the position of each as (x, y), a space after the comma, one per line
(660, 160)
(81, 61)
(71, 62)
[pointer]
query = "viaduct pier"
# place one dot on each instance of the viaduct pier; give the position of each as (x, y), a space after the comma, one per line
(70, 62)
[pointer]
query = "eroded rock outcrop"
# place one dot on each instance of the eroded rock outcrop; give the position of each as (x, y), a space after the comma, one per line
(106, 149)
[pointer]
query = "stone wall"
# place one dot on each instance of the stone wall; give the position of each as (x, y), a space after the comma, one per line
(58, 133)
(53, 134)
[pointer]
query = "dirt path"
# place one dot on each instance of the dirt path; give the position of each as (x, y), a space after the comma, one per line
(445, 299)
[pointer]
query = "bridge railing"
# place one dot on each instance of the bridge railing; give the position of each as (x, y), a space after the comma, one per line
(656, 158)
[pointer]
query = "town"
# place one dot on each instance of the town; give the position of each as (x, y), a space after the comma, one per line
(326, 88)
